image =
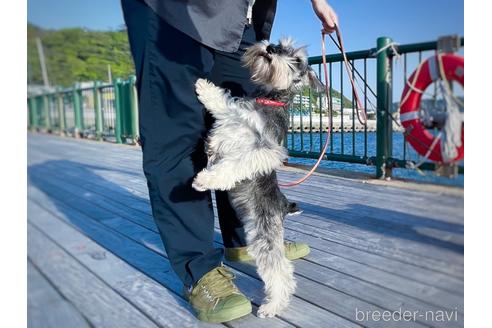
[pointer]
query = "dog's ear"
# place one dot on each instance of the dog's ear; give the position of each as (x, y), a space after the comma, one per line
(314, 82)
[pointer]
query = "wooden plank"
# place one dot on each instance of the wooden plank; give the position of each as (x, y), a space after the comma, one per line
(380, 227)
(137, 160)
(101, 305)
(335, 181)
(127, 201)
(315, 220)
(332, 235)
(46, 308)
(429, 290)
(408, 213)
(117, 198)
(371, 222)
(319, 223)
(153, 264)
(379, 296)
(321, 184)
(387, 279)
(136, 232)
(300, 313)
(447, 266)
(374, 261)
(163, 306)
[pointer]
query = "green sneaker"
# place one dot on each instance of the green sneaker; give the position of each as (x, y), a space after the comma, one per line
(216, 299)
(293, 251)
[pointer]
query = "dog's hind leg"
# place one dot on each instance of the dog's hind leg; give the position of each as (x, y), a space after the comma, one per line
(266, 245)
(227, 172)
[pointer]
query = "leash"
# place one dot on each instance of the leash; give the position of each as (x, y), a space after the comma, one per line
(327, 90)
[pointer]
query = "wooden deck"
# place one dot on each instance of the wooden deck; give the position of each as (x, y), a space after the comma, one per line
(95, 258)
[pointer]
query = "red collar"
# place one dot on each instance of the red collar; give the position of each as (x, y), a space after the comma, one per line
(270, 103)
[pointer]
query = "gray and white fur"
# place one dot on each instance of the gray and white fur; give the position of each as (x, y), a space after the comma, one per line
(244, 150)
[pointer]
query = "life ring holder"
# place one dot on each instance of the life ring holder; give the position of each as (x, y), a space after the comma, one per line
(429, 71)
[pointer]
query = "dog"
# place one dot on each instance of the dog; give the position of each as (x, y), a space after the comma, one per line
(244, 150)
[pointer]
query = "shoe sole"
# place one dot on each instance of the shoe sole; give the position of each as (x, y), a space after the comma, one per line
(251, 260)
(301, 255)
(232, 314)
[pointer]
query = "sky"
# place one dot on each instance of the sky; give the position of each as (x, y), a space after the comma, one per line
(361, 21)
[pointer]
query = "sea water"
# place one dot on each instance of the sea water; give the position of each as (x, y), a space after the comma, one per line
(311, 142)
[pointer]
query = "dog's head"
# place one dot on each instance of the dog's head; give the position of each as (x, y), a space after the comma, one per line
(280, 66)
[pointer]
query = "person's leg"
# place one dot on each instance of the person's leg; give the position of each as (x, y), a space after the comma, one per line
(229, 73)
(172, 129)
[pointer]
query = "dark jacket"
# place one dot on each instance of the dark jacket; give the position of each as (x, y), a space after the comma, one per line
(218, 24)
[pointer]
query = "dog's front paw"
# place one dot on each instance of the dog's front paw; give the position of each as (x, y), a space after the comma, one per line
(203, 181)
(269, 310)
(199, 183)
(201, 86)
(205, 88)
(210, 95)
(197, 186)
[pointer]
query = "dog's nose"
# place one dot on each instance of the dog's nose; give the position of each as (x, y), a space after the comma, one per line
(271, 49)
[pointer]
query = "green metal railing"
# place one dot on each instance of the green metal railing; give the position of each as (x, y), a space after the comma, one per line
(109, 111)
(381, 142)
(101, 111)
(349, 142)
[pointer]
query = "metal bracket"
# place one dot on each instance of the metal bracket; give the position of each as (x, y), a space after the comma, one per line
(447, 170)
(448, 44)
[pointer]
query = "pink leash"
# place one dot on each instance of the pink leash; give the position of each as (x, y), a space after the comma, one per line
(327, 88)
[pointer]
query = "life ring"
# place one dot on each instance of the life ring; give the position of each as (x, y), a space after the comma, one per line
(418, 136)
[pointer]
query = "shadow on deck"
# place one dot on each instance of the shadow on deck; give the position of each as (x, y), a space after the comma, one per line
(95, 257)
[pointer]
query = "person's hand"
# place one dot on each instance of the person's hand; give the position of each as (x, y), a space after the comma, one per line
(326, 14)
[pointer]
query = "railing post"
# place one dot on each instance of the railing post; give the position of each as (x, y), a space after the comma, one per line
(39, 112)
(98, 110)
(29, 114)
(133, 107)
(46, 113)
(118, 110)
(384, 132)
(61, 111)
(33, 113)
(77, 109)
(81, 106)
(124, 111)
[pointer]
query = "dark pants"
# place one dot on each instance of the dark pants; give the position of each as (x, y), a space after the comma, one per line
(173, 125)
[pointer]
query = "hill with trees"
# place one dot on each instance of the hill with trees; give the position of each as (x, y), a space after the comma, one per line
(76, 55)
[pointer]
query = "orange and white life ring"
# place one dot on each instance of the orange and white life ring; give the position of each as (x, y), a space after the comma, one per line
(429, 71)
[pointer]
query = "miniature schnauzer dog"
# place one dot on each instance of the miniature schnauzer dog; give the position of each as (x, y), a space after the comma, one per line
(244, 150)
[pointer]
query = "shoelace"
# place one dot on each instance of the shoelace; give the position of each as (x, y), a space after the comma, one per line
(289, 244)
(218, 287)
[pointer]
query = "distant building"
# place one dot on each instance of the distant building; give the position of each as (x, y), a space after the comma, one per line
(303, 100)
(337, 103)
